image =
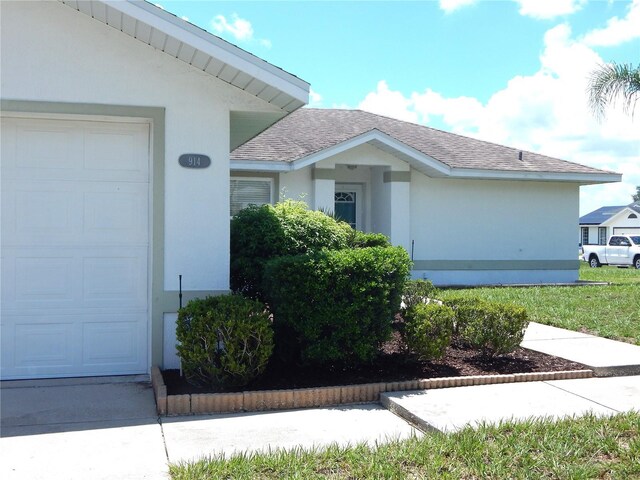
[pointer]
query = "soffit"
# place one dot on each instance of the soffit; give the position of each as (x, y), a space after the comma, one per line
(190, 44)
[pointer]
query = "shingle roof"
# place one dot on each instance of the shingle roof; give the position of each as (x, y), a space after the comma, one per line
(601, 215)
(308, 130)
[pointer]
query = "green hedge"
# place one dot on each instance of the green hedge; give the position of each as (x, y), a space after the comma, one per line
(428, 329)
(335, 306)
(260, 233)
(224, 341)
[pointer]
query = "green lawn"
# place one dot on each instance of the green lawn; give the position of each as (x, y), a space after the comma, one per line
(584, 448)
(611, 311)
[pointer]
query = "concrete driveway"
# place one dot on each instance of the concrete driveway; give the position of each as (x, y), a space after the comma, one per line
(107, 428)
(99, 428)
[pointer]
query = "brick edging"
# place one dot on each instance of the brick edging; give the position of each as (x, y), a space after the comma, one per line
(256, 401)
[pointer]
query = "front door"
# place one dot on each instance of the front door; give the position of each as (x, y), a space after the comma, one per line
(348, 201)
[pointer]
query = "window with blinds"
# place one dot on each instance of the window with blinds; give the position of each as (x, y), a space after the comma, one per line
(250, 191)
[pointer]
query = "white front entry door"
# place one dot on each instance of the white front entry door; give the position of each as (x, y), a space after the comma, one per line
(75, 246)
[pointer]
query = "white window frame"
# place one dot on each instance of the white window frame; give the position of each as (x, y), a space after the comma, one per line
(252, 179)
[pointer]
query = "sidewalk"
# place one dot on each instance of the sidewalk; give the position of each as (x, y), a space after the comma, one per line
(452, 408)
(607, 358)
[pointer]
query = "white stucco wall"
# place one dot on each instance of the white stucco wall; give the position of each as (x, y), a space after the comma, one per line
(481, 220)
(296, 185)
(53, 53)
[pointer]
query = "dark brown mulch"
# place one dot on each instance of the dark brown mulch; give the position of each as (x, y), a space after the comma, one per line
(394, 363)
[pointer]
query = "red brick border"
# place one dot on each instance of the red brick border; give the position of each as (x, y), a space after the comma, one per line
(324, 396)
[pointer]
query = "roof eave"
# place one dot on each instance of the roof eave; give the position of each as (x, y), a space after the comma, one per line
(571, 177)
(233, 65)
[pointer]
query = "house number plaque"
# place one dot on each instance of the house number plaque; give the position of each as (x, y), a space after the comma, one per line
(194, 160)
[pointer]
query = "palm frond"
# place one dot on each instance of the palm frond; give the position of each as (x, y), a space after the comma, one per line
(611, 82)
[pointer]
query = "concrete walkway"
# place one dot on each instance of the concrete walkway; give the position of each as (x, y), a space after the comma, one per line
(97, 429)
(107, 428)
(451, 409)
(607, 358)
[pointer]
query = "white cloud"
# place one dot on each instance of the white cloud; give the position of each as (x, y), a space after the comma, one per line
(546, 112)
(386, 102)
(315, 99)
(239, 28)
(618, 30)
(546, 9)
(451, 5)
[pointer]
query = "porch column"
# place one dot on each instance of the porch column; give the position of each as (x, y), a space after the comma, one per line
(398, 184)
(324, 189)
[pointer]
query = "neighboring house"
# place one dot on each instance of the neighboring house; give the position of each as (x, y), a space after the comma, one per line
(468, 211)
(99, 100)
(596, 227)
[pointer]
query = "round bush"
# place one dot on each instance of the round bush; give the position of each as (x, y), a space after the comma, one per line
(464, 309)
(224, 341)
(494, 328)
(259, 234)
(416, 292)
(428, 329)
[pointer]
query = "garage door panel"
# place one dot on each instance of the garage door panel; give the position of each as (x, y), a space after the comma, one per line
(48, 147)
(113, 344)
(115, 149)
(116, 214)
(627, 230)
(117, 279)
(70, 150)
(46, 212)
(53, 212)
(47, 345)
(75, 247)
(44, 280)
(74, 278)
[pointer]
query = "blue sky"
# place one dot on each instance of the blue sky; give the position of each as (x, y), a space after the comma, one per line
(511, 72)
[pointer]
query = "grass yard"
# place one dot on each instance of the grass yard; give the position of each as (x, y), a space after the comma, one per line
(585, 448)
(611, 311)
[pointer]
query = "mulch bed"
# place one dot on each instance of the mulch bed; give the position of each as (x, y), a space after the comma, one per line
(394, 363)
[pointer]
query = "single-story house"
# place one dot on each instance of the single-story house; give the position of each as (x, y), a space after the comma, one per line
(118, 120)
(468, 211)
(596, 227)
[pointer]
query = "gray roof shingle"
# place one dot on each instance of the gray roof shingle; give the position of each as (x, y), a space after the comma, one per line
(309, 130)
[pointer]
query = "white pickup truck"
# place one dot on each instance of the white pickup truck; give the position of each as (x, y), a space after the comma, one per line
(620, 250)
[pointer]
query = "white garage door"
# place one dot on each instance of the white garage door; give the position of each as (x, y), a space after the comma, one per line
(75, 242)
(627, 230)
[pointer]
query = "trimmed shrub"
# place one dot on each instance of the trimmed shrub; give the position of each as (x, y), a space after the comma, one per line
(335, 306)
(256, 236)
(365, 240)
(428, 329)
(260, 233)
(464, 309)
(416, 292)
(492, 327)
(308, 231)
(224, 341)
